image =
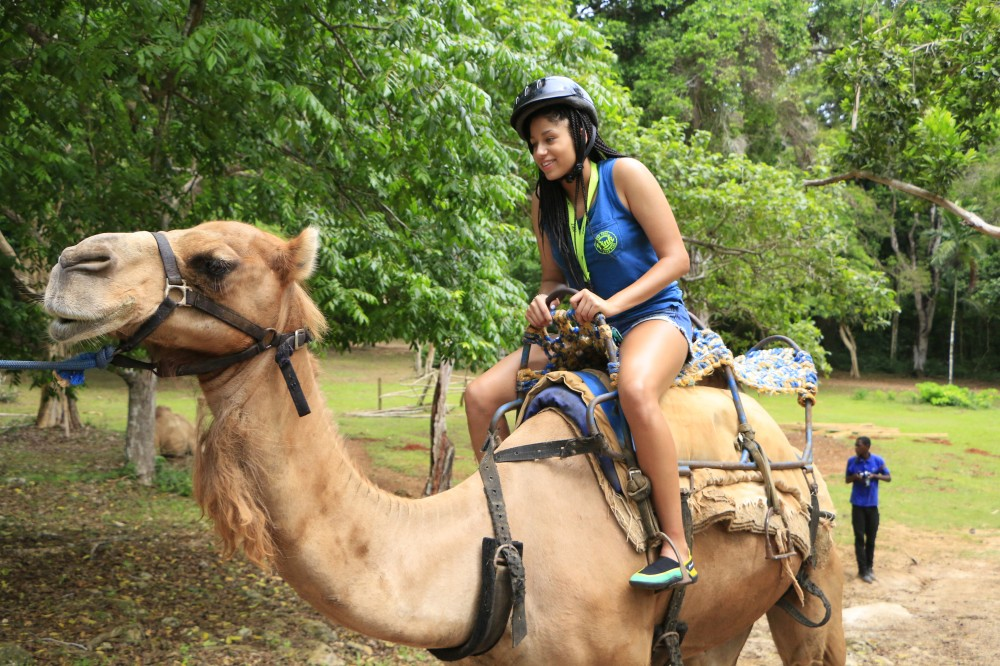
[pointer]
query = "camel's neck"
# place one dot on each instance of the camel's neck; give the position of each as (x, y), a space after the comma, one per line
(398, 569)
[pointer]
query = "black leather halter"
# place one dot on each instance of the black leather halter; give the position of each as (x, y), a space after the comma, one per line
(178, 294)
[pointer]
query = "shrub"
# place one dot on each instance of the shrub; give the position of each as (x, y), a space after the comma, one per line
(170, 479)
(949, 395)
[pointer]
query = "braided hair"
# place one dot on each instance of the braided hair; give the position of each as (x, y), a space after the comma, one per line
(553, 217)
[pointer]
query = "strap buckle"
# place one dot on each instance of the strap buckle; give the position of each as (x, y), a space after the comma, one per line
(183, 290)
(300, 338)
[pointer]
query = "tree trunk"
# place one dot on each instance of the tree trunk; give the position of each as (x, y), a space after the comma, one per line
(418, 360)
(427, 371)
(925, 301)
(894, 337)
(951, 333)
(442, 449)
(852, 347)
(58, 409)
(925, 306)
(140, 447)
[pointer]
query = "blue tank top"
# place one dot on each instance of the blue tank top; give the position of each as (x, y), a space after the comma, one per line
(617, 252)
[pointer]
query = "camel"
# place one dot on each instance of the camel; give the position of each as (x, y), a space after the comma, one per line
(283, 489)
(175, 436)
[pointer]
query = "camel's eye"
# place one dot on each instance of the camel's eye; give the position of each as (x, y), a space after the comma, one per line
(212, 269)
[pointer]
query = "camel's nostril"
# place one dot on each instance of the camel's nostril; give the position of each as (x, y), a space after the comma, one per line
(85, 262)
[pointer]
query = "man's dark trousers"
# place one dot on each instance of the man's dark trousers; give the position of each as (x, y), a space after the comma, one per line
(865, 522)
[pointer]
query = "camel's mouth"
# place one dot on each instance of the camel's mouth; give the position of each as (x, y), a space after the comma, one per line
(71, 327)
(72, 330)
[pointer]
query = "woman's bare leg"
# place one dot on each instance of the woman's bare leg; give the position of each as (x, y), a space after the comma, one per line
(652, 354)
(489, 391)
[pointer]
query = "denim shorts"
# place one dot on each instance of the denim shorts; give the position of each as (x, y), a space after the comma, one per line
(675, 314)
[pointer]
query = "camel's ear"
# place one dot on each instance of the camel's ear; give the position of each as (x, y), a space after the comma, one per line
(302, 251)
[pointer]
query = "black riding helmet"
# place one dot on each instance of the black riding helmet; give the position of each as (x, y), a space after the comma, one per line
(549, 91)
(555, 91)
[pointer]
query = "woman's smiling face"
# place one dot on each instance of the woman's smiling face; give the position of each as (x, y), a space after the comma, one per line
(552, 145)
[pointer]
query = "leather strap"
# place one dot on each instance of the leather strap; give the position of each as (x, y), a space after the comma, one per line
(669, 634)
(563, 448)
(807, 585)
(802, 577)
(493, 609)
(501, 528)
(264, 338)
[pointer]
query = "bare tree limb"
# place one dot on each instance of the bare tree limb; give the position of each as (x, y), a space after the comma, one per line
(719, 249)
(967, 217)
(21, 279)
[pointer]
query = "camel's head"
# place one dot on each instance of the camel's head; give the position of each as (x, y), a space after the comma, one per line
(111, 283)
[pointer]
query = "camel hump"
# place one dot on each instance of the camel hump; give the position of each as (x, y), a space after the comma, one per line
(704, 422)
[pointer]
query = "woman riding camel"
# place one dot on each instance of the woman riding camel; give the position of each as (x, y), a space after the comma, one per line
(603, 226)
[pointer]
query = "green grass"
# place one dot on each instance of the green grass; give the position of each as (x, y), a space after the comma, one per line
(944, 482)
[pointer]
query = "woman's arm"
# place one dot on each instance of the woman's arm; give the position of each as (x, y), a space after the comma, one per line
(643, 196)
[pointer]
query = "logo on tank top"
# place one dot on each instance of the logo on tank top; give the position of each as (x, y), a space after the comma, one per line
(605, 242)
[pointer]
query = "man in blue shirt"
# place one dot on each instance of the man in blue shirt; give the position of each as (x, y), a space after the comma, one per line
(865, 470)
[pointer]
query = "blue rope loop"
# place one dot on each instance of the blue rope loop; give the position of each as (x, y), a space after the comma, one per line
(71, 370)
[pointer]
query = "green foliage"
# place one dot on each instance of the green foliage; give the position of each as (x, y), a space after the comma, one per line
(386, 129)
(171, 479)
(918, 92)
(920, 80)
(724, 68)
(950, 395)
(767, 256)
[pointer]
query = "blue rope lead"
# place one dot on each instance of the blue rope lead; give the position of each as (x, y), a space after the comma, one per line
(71, 369)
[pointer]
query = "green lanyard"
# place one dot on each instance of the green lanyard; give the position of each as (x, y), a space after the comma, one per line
(578, 229)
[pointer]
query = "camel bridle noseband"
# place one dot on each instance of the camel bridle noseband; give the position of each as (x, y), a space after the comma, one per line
(178, 293)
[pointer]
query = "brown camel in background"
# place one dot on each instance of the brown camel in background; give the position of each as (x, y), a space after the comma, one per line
(175, 436)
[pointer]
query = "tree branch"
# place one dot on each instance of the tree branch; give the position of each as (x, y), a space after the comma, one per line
(36, 34)
(340, 42)
(21, 279)
(196, 12)
(718, 249)
(967, 217)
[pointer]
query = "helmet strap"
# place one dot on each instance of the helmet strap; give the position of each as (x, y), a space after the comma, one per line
(578, 168)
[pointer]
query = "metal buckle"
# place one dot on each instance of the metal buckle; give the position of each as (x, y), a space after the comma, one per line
(266, 342)
(183, 288)
(300, 338)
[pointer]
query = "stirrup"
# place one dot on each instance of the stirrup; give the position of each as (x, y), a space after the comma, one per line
(688, 574)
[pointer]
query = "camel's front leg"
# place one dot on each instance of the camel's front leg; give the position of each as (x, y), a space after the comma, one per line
(801, 645)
